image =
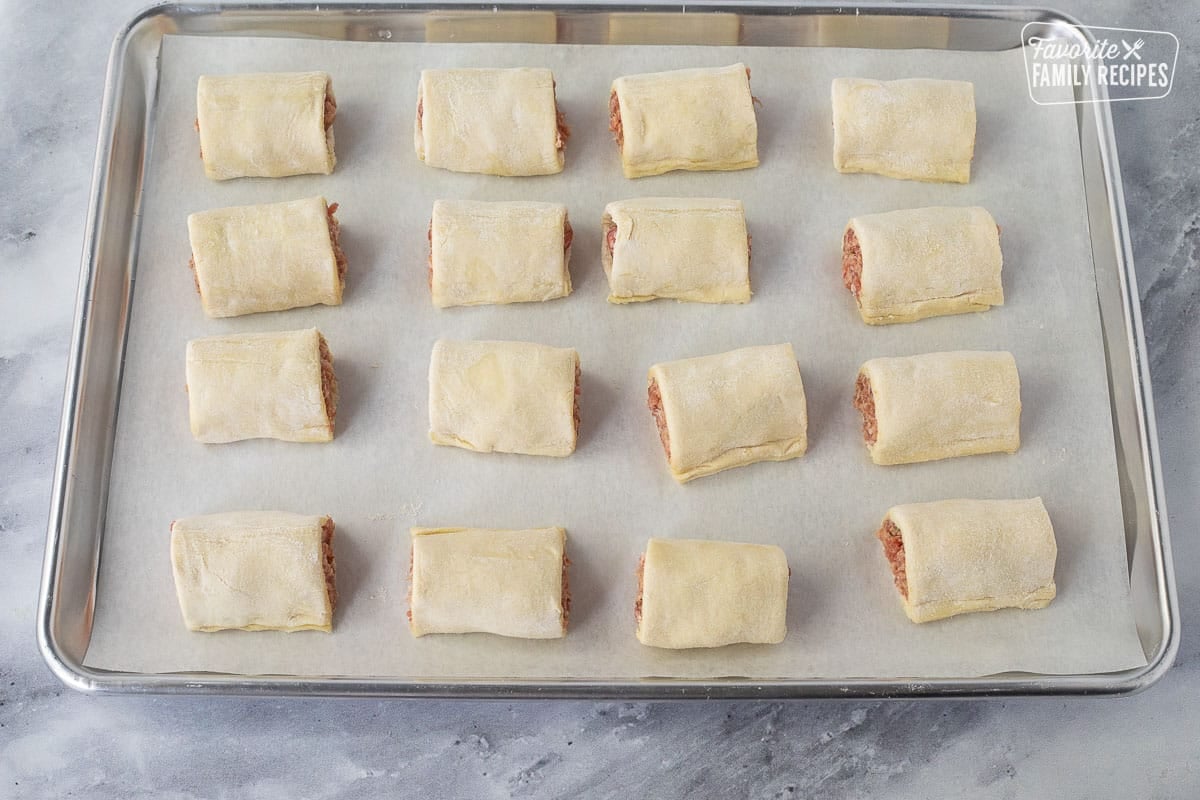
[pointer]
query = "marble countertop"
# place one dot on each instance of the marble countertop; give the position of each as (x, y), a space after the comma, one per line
(55, 742)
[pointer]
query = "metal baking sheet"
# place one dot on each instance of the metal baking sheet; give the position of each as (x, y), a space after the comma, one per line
(1152, 591)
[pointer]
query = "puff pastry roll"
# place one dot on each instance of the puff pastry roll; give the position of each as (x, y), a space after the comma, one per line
(939, 405)
(478, 580)
(690, 119)
(482, 253)
(959, 556)
(266, 125)
(271, 257)
(729, 410)
(254, 571)
(694, 593)
(693, 249)
(915, 129)
(492, 121)
(504, 397)
(261, 385)
(902, 266)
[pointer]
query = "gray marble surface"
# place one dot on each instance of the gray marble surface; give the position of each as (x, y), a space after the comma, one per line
(54, 742)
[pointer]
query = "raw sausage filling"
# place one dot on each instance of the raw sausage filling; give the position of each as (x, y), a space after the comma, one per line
(852, 263)
(335, 231)
(329, 385)
(864, 401)
(654, 403)
(893, 548)
(327, 561)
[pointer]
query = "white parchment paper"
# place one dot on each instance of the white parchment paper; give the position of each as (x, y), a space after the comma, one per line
(381, 475)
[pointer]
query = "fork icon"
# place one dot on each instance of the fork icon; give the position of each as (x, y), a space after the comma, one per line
(1132, 50)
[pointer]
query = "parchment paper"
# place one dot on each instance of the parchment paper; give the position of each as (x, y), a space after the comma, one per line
(381, 475)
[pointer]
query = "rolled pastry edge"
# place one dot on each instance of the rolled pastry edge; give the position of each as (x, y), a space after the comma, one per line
(892, 537)
(329, 113)
(449, 438)
(562, 133)
(419, 629)
(435, 269)
(340, 265)
(912, 311)
(891, 442)
(329, 570)
(728, 293)
(701, 631)
(643, 168)
(778, 450)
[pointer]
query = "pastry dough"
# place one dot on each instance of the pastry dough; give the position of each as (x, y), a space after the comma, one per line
(254, 571)
(728, 410)
(261, 385)
(268, 257)
(903, 266)
(709, 594)
(478, 580)
(959, 556)
(481, 253)
(492, 121)
(913, 129)
(506, 397)
(692, 249)
(939, 405)
(266, 125)
(691, 119)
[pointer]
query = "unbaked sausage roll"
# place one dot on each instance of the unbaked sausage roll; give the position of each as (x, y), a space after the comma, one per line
(482, 253)
(271, 257)
(729, 410)
(690, 248)
(491, 121)
(261, 385)
(504, 397)
(959, 556)
(690, 119)
(902, 266)
(254, 571)
(478, 580)
(266, 125)
(694, 593)
(939, 405)
(914, 129)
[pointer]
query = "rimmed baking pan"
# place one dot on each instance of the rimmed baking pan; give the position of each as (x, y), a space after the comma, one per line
(75, 541)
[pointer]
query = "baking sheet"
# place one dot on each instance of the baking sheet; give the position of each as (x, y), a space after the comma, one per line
(381, 475)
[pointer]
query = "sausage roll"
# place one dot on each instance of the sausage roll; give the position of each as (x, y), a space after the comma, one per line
(903, 266)
(695, 593)
(728, 410)
(267, 125)
(914, 129)
(959, 556)
(481, 253)
(691, 119)
(492, 121)
(254, 571)
(272, 257)
(476, 580)
(693, 249)
(261, 385)
(939, 405)
(505, 397)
